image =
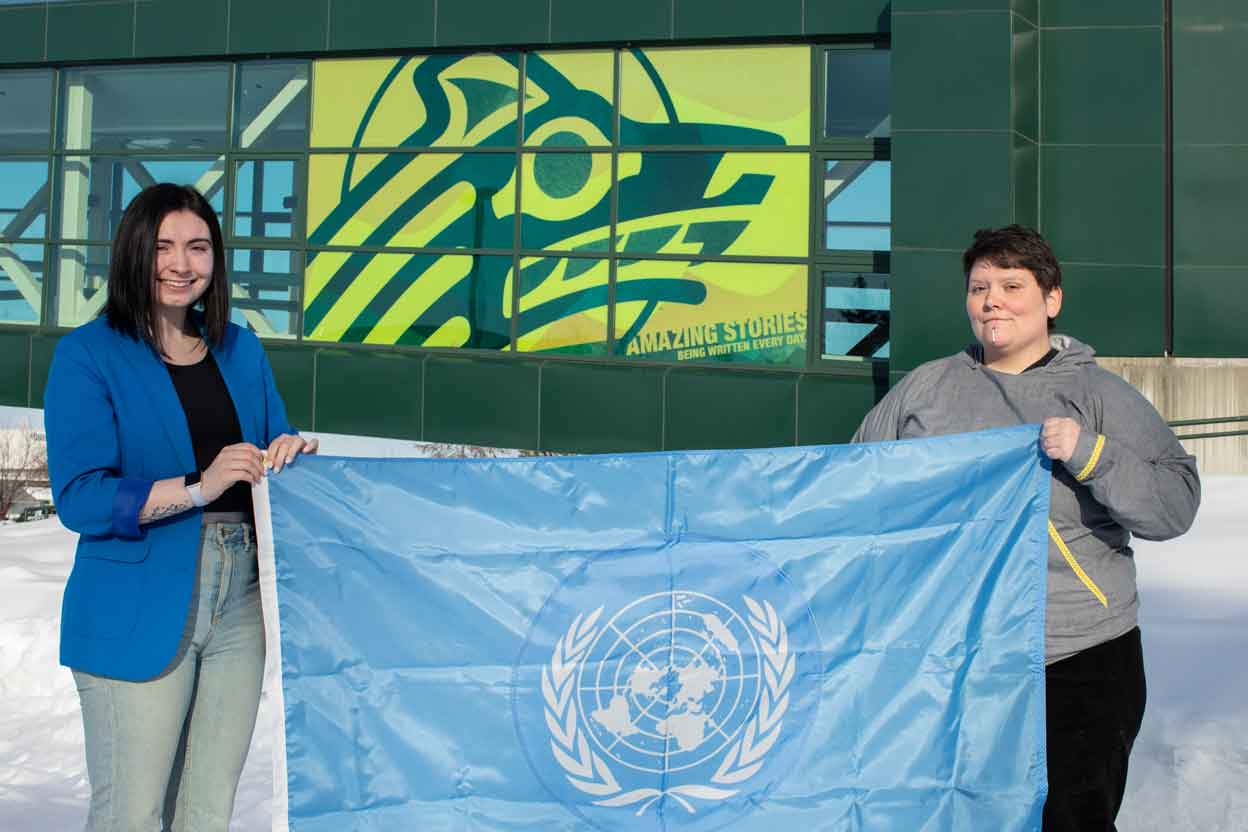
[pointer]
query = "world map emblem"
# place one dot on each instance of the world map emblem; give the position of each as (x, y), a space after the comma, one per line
(683, 704)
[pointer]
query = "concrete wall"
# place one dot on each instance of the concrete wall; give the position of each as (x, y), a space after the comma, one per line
(1196, 388)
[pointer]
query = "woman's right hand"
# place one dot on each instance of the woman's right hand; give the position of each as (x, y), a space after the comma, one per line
(243, 462)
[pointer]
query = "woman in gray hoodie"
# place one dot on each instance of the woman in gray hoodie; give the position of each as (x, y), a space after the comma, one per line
(1118, 470)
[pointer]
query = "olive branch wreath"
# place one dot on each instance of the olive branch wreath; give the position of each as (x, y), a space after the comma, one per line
(589, 773)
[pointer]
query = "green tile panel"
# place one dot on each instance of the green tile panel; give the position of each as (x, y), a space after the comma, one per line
(481, 402)
(929, 306)
(1103, 204)
(294, 372)
(1102, 12)
(844, 17)
(369, 392)
(1024, 181)
(588, 409)
(1206, 12)
(278, 26)
(42, 347)
(951, 72)
(947, 185)
(1025, 78)
(1025, 8)
(574, 21)
(729, 18)
(1118, 310)
(1210, 308)
(24, 33)
(1210, 194)
(490, 22)
(830, 407)
(14, 368)
(1101, 86)
(381, 24)
(163, 28)
(720, 409)
(90, 31)
(1210, 68)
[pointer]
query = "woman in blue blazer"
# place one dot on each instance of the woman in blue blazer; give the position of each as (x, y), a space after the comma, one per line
(156, 414)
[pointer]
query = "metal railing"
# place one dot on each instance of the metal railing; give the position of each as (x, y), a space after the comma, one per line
(1221, 420)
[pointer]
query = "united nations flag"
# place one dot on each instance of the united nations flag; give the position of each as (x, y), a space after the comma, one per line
(844, 638)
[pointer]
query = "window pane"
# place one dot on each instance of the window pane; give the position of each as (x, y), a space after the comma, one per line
(429, 300)
(265, 287)
(753, 204)
(569, 92)
(272, 108)
(81, 282)
(563, 305)
(690, 311)
(426, 200)
(264, 198)
(26, 109)
(565, 199)
(857, 90)
(21, 282)
(855, 315)
(757, 95)
(96, 189)
(857, 199)
(176, 107)
(417, 101)
(23, 198)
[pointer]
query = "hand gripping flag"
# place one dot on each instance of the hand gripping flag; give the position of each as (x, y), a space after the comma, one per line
(832, 638)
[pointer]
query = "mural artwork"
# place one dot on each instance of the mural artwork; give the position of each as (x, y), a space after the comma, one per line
(426, 153)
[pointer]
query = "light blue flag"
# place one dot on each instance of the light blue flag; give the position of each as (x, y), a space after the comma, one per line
(824, 638)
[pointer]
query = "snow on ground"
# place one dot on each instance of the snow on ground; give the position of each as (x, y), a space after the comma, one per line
(1189, 772)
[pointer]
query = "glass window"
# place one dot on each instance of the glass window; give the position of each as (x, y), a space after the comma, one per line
(426, 200)
(265, 200)
(711, 311)
(26, 109)
(857, 93)
(753, 204)
(145, 108)
(265, 289)
(81, 282)
(23, 198)
(756, 95)
(563, 305)
(417, 101)
(271, 112)
(569, 92)
(857, 200)
(96, 189)
(21, 282)
(429, 300)
(565, 200)
(855, 315)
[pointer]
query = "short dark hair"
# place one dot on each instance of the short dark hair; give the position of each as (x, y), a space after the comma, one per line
(1014, 247)
(133, 263)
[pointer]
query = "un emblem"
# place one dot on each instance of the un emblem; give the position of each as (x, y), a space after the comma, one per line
(671, 700)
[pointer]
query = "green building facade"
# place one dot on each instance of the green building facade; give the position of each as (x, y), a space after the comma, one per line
(659, 225)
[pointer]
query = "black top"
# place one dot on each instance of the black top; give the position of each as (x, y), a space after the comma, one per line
(213, 422)
(1040, 362)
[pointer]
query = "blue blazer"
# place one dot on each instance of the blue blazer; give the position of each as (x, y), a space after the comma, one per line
(114, 426)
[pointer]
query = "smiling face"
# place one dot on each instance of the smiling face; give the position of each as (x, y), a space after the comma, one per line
(184, 262)
(1009, 315)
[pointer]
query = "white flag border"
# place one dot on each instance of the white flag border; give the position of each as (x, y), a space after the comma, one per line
(272, 650)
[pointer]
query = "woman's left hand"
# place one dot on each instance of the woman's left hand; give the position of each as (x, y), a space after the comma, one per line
(1058, 437)
(283, 449)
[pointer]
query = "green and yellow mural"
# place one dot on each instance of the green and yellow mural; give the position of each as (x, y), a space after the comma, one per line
(433, 179)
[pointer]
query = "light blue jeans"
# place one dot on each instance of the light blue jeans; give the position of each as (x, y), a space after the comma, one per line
(166, 754)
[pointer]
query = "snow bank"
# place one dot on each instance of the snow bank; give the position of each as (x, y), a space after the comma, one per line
(1189, 770)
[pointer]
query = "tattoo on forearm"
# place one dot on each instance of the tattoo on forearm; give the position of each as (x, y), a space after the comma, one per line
(161, 511)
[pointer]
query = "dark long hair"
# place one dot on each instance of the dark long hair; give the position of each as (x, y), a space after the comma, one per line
(133, 264)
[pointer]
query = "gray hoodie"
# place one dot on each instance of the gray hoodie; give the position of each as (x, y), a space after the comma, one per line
(1128, 475)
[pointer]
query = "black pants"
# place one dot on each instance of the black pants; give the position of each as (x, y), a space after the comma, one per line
(1095, 703)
